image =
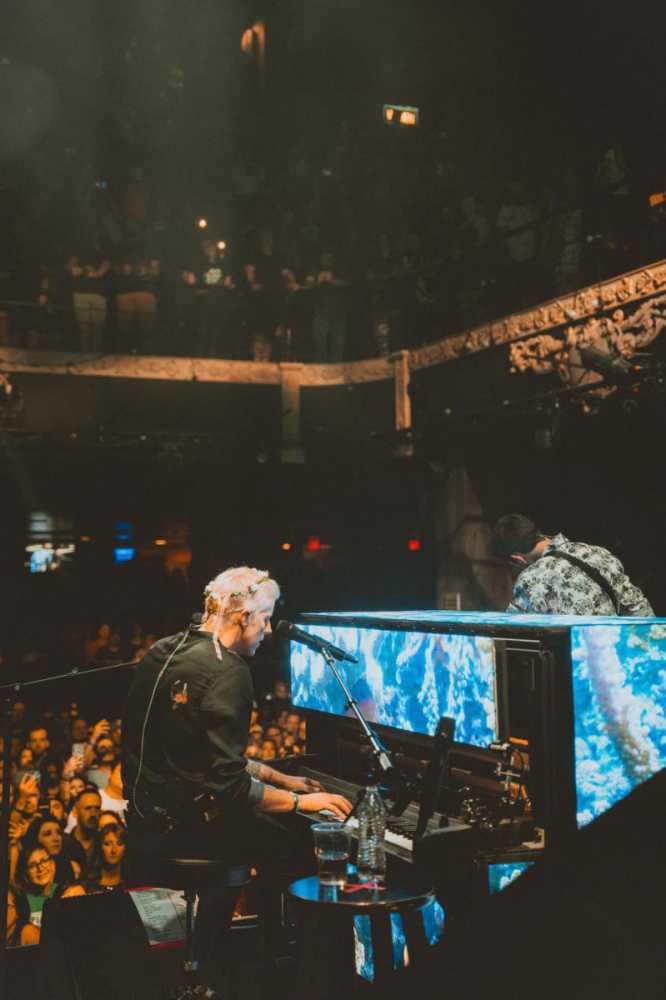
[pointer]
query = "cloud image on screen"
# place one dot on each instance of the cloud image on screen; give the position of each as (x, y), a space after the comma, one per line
(406, 680)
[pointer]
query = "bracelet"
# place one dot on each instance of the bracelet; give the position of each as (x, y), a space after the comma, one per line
(297, 801)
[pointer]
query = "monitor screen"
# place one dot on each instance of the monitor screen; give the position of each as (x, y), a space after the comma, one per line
(406, 680)
(44, 557)
(50, 541)
(501, 874)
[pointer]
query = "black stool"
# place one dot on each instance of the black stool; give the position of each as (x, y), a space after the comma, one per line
(189, 875)
(326, 964)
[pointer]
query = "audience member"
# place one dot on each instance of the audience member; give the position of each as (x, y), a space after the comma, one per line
(329, 331)
(35, 881)
(88, 276)
(47, 832)
(107, 869)
(83, 824)
(136, 303)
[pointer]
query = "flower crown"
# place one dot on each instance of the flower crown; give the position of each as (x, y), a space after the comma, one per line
(237, 594)
(252, 589)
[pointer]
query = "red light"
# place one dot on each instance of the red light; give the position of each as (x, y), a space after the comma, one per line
(313, 543)
(414, 544)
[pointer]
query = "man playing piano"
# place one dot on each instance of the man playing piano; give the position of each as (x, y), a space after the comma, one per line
(190, 787)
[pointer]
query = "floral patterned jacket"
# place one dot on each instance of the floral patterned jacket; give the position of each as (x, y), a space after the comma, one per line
(556, 587)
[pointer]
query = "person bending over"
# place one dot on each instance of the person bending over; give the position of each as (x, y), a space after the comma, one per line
(560, 577)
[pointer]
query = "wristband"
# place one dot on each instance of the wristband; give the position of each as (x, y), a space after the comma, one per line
(297, 801)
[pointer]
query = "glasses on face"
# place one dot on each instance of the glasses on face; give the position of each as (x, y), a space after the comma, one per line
(37, 865)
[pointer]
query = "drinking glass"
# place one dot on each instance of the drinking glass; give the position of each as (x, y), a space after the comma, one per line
(331, 843)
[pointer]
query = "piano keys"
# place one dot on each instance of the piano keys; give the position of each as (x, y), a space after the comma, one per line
(400, 829)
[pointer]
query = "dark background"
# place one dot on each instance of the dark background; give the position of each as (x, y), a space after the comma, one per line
(507, 90)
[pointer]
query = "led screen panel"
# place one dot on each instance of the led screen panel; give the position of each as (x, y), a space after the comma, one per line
(619, 689)
(406, 680)
(502, 874)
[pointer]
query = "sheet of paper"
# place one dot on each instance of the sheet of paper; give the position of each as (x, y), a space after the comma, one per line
(162, 913)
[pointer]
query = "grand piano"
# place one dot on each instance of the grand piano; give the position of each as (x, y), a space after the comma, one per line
(554, 719)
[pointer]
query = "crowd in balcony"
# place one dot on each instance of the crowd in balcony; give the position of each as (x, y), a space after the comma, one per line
(360, 250)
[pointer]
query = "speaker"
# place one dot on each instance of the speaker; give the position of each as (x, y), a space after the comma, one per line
(95, 948)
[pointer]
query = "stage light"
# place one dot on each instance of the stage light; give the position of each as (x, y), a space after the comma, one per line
(85, 538)
(160, 541)
(313, 543)
(414, 544)
(658, 198)
(403, 115)
(286, 547)
(202, 223)
(221, 245)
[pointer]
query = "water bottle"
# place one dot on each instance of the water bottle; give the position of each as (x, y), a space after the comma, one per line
(371, 814)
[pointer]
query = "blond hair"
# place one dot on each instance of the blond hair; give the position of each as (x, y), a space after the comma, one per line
(240, 588)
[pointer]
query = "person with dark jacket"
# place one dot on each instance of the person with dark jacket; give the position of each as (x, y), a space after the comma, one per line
(186, 723)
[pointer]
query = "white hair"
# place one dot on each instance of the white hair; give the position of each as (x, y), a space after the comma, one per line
(240, 588)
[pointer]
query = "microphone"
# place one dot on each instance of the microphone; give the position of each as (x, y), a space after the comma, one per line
(289, 631)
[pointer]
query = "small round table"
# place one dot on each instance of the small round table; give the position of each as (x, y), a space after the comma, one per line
(326, 966)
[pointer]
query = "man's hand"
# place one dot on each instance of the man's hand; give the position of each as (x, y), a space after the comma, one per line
(295, 784)
(318, 801)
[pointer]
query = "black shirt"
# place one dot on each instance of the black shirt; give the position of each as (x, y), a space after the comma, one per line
(197, 728)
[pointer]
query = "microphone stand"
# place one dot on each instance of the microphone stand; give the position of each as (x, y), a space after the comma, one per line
(9, 693)
(384, 765)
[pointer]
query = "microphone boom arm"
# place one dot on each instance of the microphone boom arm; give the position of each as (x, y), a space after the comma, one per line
(381, 754)
(384, 763)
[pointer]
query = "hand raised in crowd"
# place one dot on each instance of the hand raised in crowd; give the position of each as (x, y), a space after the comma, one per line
(101, 728)
(28, 785)
(318, 801)
(17, 829)
(73, 766)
